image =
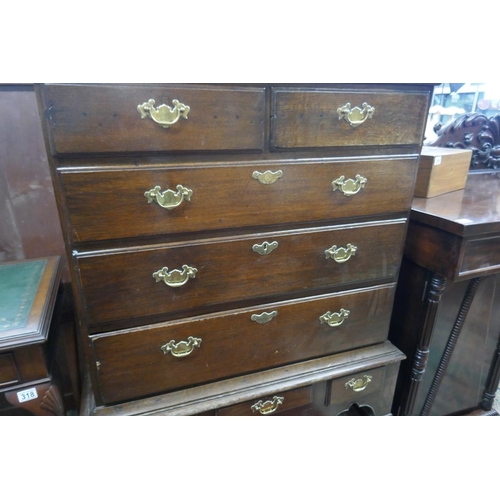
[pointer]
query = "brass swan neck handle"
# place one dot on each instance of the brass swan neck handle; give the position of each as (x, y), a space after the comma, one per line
(163, 115)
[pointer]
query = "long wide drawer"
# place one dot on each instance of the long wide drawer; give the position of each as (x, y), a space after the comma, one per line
(329, 118)
(112, 204)
(155, 359)
(182, 277)
(106, 118)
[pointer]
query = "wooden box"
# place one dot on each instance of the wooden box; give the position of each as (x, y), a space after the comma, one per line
(441, 170)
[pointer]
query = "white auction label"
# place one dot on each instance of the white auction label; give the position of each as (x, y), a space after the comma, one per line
(437, 160)
(27, 395)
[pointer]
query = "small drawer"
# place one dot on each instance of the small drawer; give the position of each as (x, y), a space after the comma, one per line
(8, 370)
(368, 392)
(331, 118)
(271, 404)
(134, 202)
(186, 276)
(481, 255)
(188, 352)
(349, 389)
(106, 118)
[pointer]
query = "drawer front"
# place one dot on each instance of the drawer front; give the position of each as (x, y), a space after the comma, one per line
(481, 255)
(8, 370)
(369, 392)
(112, 204)
(132, 363)
(106, 119)
(272, 404)
(328, 118)
(214, 272)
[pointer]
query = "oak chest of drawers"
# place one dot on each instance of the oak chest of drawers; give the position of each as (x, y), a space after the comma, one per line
(234, 248)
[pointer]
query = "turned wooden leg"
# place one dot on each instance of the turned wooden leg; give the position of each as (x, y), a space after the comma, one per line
(450, 345)
(493, 381)
(47, 403)
(433, 298)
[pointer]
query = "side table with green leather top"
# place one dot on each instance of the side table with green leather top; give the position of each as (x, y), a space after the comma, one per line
(28, 293)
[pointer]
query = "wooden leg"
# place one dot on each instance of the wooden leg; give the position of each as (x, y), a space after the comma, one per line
(493, 381)
(450, 345)
(433, 298)
(47, 403)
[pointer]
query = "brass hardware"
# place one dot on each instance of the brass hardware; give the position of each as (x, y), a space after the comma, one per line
(175, 277)
(182, 348)
(267, 177)
(169, 199)
(359, 384)
(265, 248)
(334, 319)
(340, 254)
(350, 186)
(264, 317)
(163, 115)
(355, 116)
(268, 406)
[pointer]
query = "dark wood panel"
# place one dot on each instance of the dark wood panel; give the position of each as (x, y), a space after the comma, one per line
(104, 118)
(111, 204)
(29, 226)
(228, 270)
(309, 118)
(480, 255)
(291, 400)
(347, 390)
(8, 370)
(295, 333)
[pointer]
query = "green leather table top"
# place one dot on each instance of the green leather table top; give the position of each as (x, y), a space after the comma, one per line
(18, 285)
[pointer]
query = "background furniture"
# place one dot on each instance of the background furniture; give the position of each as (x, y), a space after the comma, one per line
(30, 227)
(447, 309)
(474, 131)
(30, 309)
(234, 249)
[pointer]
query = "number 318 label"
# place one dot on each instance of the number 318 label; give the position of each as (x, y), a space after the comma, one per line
(27, 395)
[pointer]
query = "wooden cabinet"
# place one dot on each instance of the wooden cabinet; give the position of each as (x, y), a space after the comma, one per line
(232, 245)
(447, 308)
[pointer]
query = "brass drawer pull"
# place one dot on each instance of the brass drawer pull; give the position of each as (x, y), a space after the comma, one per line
(340, 254)
(169, 199)
(264, 317)
(334, 319)
(175, 277)
(349, 187)
(163, 115)
(182, 348)
(268, 406)
(355, 116)
(358, 385)
(267, 177)
(265, 248)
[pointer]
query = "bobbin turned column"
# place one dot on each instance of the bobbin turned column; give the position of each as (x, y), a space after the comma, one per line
(435, 291)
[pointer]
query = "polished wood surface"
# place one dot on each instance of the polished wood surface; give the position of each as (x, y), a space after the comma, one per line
(308, 118)
(110, 203)
(104, 118)
(104, 158)
(292, 400)
(228, 270)
(468, 212)
(252, 387)
(296, 333)
(446, 315)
